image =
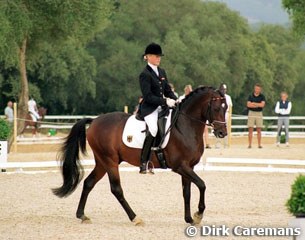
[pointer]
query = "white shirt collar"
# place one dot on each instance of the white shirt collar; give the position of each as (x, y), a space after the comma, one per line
(155, 68)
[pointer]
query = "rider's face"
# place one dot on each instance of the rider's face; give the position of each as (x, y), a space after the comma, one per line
(154, 59)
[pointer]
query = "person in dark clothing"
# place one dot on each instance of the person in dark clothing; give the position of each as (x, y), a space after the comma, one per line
(256, 103)
(157, 94)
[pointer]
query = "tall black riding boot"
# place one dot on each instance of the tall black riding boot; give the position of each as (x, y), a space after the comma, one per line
(146, 150)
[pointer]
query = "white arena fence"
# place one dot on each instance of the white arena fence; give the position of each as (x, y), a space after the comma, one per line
(238, 126)
(296, 126)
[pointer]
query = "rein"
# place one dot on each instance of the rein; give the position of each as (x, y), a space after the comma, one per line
(177, 112)
(192, 118)
(210, 122)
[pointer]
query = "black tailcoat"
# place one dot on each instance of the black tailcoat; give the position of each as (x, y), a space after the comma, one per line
(153, 89)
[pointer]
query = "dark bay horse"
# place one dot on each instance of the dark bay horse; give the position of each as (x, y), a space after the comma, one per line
(29, 121)
(183, 152)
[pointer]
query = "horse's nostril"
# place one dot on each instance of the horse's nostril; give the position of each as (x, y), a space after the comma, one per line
(222, 134)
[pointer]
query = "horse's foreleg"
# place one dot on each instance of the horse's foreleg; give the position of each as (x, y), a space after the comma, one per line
(34, 131)
(117, 191)
(97, 173)
(188, 172)
(22, 131)
(37, 129)
(186, 187)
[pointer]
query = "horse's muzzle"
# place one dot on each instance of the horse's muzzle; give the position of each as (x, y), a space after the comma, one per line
(220, 132)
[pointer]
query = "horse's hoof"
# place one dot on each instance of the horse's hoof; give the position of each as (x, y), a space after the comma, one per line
(138, 221)
(197, 218)
(86, 220)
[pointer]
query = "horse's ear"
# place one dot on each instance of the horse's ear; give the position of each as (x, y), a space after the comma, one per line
(220, 92)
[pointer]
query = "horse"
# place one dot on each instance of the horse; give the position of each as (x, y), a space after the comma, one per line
(29, 121)
(182, 153)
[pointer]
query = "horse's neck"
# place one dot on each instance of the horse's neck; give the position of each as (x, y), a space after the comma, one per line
(191, 122)
(197, 108)
(41, 112)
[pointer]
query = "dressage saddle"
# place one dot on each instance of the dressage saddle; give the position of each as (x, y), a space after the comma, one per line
(156, 145)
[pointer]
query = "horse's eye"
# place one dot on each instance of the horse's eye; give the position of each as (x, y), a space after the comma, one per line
(223, 105)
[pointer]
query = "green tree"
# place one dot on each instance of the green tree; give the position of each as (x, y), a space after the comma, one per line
(296, 10)
(204, 44)
(287, 50)
(26, 25)
(261, 61)
(297, 96)
(64, 77)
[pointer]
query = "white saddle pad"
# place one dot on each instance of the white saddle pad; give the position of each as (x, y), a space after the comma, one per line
(134, 132)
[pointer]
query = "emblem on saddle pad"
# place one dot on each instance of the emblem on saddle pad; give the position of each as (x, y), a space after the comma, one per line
(129, 138)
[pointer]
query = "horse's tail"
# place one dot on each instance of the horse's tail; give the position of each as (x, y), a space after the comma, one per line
(72, 170)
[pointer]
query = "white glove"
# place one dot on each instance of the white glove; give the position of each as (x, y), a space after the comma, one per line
(170, 102)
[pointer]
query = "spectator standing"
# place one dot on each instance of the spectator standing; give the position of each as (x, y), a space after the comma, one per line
(223, 90)
(9, 112)
(173, 89)
(187, 90)
(206, 137)
(255, 104)
(283, 109)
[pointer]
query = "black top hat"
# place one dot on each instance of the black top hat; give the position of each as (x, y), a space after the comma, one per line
(153, 48)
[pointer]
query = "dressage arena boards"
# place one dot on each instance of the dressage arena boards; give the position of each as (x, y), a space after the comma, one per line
(251, 199)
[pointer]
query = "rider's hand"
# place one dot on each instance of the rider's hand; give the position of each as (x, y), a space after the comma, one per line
(170, 102)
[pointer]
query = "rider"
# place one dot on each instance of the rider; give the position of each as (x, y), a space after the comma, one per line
(32, 108)
(157, 94)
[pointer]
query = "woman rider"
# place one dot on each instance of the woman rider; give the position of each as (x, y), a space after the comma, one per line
(157, 94)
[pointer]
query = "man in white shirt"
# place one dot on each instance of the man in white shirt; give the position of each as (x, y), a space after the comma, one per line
(283, 109)
(32, 107)
(9, 112)
(223, 89)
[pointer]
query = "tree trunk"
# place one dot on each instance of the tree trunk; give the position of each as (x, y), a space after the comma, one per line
(24, 93)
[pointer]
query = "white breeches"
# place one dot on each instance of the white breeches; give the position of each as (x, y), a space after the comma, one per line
(152, 121)
(35, 116)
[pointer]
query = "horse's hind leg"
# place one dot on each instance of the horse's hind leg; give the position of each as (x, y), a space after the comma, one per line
(117, 191)
(97, 173)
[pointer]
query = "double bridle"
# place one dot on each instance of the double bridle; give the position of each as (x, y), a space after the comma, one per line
(210, 120)
(209, 113)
